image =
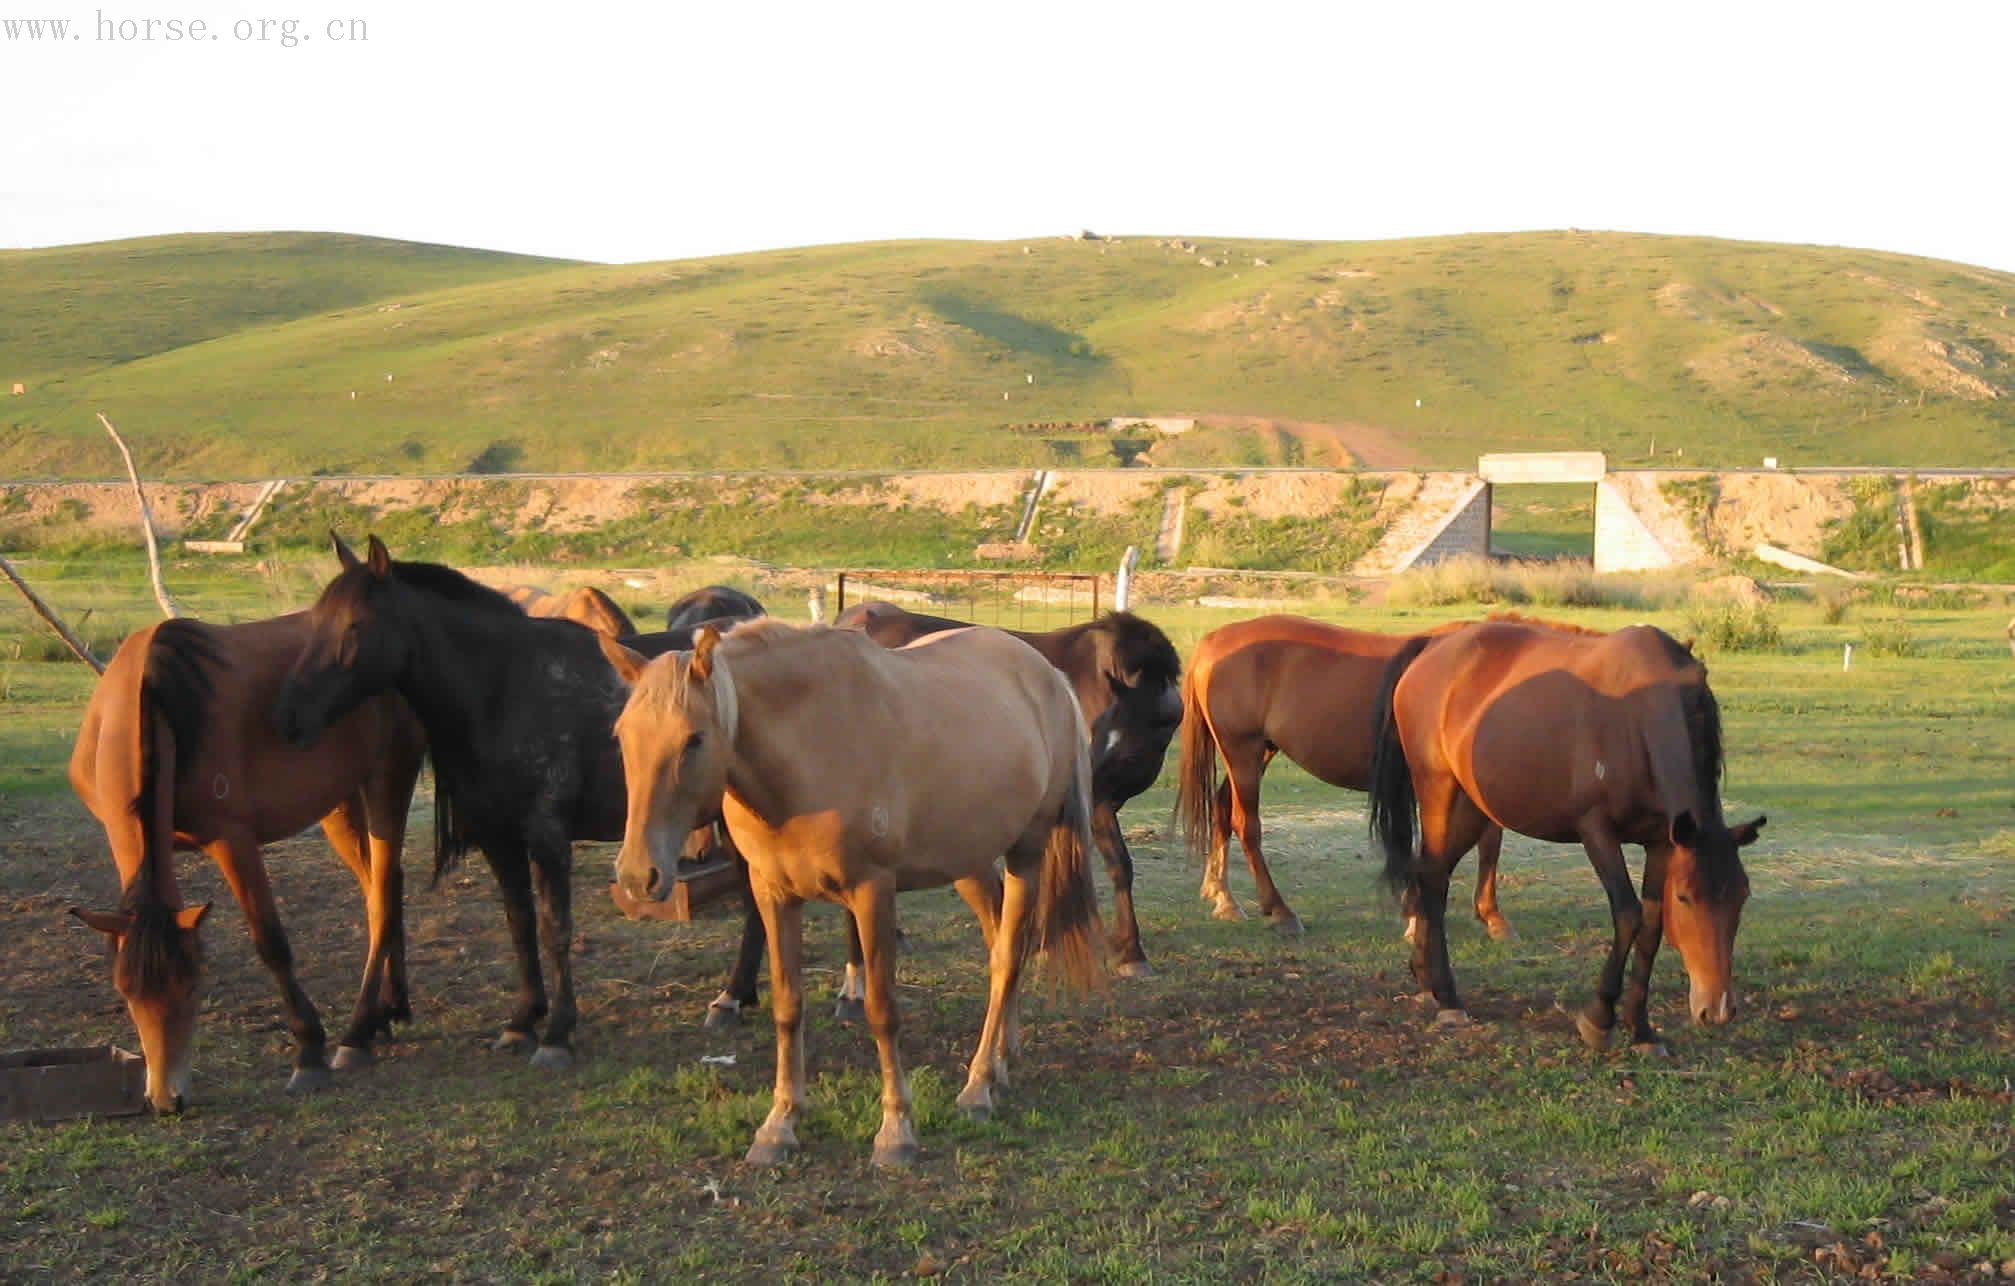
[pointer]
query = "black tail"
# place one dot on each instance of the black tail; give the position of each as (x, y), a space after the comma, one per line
(1392, 800)
(451, 842)
(175, 691)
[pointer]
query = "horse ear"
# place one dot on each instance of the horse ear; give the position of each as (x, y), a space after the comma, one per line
(629, 665)
(704, 644)
(379, 559)
(344, 554)
(111, 923)
(1685, 830)
(191, 916)
(1746, 833)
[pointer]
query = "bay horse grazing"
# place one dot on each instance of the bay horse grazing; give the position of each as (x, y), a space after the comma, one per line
(713, 603)
(178, 750)
(518, 713)
(846, 772)
(1285, 685)
(1127, 678)
(583, 604)
(1604, 740)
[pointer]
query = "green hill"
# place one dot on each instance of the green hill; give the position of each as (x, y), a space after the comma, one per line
(252, 356)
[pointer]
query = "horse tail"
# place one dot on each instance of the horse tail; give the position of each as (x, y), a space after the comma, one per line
(1071, 936)
(451, 842)
(175, 693)
(1196, 779)
(1392, 799)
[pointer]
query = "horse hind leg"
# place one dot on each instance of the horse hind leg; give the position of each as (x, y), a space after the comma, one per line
(1000, 1036)
(874, 905)
(372, 1015)
(1214, 890)
(1488, 849)
(1450, 824)
(237, 856)
(1245, 820)
(851, 1005)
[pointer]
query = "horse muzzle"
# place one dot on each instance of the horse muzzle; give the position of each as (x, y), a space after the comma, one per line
(641, 881)
(1712, 1010)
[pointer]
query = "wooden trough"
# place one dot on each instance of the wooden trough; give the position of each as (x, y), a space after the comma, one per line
(696, 884)
(61, 1084)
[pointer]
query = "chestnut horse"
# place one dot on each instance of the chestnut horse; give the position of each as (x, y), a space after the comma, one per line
(845, 772)
(178, 749)
(1604, 740)
(583, 604)
(1285, 685)
(1127, 678)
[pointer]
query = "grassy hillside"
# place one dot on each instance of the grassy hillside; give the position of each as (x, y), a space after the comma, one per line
(237, 356)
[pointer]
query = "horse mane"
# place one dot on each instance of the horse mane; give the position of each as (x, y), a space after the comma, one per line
(1136, 646)
(1541, 622)
(447, 583)
(176, 687)
(155, 951)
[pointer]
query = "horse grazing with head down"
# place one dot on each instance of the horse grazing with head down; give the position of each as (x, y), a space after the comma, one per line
(766, 727)
(1127, 677)
(583, 604)
(1599, 739)
(1287, 685)
(713, 603)
(178, 750)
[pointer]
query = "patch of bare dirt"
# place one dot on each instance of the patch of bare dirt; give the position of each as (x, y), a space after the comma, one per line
(1276, 495)
(1105, 492)
(953, 492)
(1791, 511)
(109, 506)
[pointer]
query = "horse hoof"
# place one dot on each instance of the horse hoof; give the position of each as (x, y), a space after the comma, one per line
(1592, 1035)
(723, 1016)
(1651, 1049)
(899, 1154)
(1500, 930)
(977, 1111)
(1452, 1020)
(1286, 923)
(513, 1042)
(1227, 911)
(308, 1080)
(1134, 969)
(849, 1010)
(553, 1058)
(761, 1153)
(350, 1058)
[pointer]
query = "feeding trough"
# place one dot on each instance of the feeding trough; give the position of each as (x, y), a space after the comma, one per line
(695, 885)
(61, 1084)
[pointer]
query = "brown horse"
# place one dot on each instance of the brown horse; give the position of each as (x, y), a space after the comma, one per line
(768, 725)
(583, 604)
(1602, 739)
(178, 749)
(1285, 685)
(1127, 677)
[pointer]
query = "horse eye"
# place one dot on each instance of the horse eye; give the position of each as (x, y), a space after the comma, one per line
(1686, 899)
(695, 741)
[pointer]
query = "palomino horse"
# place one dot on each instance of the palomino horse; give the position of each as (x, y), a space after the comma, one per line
(768, 726)
(1605, 739)
(583, 604)
(1127, 678)
(714, 603)
(1284, 685)
(178, 749)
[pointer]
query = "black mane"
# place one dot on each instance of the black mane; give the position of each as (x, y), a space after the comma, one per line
(176, 688)
(446, 582)
(1138, 647)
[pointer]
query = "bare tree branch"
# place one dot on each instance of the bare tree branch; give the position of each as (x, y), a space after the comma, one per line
(161, 595)
(48, 614)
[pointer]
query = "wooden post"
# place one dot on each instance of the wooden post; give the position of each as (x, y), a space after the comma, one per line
(43, 610)
(161, 595)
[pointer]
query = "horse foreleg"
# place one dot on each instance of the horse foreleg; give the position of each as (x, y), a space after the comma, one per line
(740, 992)
(553, 864)
(874, 906)
(784, 923)
(514, 880)
(237, 856)
(1606, 855)
(1130, 960)
(999, 1036)
(1488, 848)
(1637, 995)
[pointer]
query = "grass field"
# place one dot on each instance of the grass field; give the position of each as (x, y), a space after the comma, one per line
(1262, 1109)
(269, 354)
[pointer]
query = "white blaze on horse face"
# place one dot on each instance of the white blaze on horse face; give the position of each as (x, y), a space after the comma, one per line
(1111, 740)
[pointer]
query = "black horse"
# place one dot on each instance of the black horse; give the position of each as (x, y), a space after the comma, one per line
(520, 716)
(714, 603)
(1128, 682)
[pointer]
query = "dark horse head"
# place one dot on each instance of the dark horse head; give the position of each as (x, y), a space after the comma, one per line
(1142, 676)
(350, 656)
(714, 603)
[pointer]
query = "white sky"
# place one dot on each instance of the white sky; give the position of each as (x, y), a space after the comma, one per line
(631, 133)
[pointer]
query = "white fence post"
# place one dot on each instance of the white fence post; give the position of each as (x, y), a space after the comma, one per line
(1122, 590)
